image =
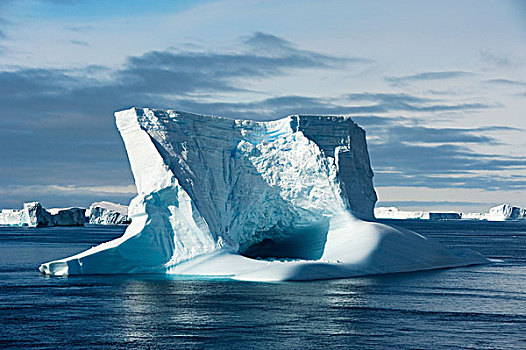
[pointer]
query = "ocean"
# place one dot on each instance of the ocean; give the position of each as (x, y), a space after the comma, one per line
(477, 307)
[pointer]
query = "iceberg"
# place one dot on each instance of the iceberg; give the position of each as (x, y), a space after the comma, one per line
(475, 216)
(34, 215)
(503, 212)
(68, 216)
(10, 217)
(108, 213)
(288, 199)
(395, 213)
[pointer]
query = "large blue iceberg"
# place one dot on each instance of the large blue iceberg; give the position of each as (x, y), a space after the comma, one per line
(265, 201)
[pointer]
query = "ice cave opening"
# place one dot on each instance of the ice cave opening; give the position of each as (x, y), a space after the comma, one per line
(304, 243)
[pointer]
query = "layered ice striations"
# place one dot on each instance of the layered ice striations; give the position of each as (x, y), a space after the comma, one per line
(266, 201)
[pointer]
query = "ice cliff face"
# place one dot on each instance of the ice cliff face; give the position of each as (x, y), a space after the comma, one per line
(214, 193)
(68, 216)
(107, 213)
(224, 166)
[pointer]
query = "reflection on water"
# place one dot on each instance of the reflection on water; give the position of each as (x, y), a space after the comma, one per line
(475, 307)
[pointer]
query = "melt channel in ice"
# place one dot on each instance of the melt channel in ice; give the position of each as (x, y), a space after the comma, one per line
(247, 200)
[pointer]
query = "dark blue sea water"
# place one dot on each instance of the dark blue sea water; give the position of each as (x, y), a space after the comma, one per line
(480, 307)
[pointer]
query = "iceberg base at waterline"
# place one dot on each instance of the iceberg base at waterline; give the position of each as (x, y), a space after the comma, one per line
(352, 248)
(258, 201)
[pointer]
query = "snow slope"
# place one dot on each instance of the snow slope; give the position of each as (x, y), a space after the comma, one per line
(264, 201)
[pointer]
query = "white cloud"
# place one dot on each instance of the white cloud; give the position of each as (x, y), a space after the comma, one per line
(36, 190)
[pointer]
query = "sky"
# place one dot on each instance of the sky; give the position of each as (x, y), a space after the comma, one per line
(439, 87)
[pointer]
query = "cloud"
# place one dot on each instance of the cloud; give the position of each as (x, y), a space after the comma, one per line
(404, 153)
(507, 82)
(53, 189)
(190, 72)
(60, 122)
(423, 156)
(388, 102)
(350, 104)
(79, 42)
(427, 204)
(420, 134)
(503, 61)
(442, 166)
(270, 44)
(154, 75)
(264, 42)
(60, 2)
(80, 28)
(425, 76)
(486, 183)
(443, 159)
(3, 23)
(53, 195)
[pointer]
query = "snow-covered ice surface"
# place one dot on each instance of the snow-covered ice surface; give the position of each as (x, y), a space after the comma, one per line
(108, 213)
(261, 201)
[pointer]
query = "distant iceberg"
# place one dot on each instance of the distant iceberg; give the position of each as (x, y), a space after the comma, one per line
(395, 213)
(34, 215)
(248, 200)
(68, 216)
(107, 213)
(503, 212)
